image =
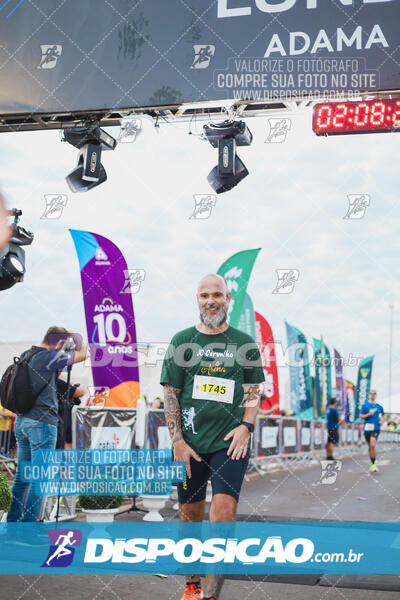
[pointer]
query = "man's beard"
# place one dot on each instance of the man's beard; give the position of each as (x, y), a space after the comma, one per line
(214, 321)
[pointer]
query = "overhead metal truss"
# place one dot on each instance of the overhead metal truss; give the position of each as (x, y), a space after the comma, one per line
(207, 111)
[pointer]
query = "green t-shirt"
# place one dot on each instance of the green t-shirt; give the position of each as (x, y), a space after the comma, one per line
(211, 370)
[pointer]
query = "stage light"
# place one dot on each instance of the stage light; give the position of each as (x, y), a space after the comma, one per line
(89, 172)
(90, 141)
(80, 136)
(230, 169)
(222, 183)
(12, 256)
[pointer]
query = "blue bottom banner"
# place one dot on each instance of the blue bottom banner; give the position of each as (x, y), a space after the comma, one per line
(180, 548)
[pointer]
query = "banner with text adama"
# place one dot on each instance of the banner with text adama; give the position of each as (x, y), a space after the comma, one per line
(93, 56)
(236, 271)
(110, 320)
(363, 384)
(265, 341)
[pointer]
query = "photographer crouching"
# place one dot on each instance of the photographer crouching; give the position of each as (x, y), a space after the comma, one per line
(36, 428)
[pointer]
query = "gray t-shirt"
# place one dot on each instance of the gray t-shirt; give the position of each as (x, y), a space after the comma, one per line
(43, 368)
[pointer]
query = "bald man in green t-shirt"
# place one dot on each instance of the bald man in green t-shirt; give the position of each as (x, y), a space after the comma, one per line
(211, 376)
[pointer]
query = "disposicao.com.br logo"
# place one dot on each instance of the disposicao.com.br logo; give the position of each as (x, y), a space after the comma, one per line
(173, 547)
(248, 551)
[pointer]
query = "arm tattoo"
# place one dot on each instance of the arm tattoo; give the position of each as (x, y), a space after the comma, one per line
(172, 411)
(252, 396)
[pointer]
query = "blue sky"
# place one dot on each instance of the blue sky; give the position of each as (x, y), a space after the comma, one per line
(291, 205)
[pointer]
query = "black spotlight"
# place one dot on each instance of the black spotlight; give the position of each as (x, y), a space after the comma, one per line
(230, 169)
(12, 256)
(90, 141)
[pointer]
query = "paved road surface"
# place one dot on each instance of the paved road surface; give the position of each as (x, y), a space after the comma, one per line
(294, 494)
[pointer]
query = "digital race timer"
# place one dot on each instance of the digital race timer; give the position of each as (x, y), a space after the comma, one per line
(366, 116)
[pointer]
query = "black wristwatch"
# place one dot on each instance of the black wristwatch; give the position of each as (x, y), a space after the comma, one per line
(249, 426)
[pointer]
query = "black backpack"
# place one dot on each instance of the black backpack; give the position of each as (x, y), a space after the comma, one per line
(15, 386)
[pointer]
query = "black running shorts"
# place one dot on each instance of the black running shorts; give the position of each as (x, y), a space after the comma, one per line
(369, 434)
(226, 476)
(333, 436)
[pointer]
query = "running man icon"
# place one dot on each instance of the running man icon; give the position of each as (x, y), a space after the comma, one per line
(63, 543)
(62, 550)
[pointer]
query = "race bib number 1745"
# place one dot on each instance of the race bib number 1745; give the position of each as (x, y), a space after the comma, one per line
(213, 388)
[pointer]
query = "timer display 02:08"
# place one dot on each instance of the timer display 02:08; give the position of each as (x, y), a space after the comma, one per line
(367, 116)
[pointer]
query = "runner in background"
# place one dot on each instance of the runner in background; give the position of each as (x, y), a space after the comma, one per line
(372, 413)
(332, 418)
